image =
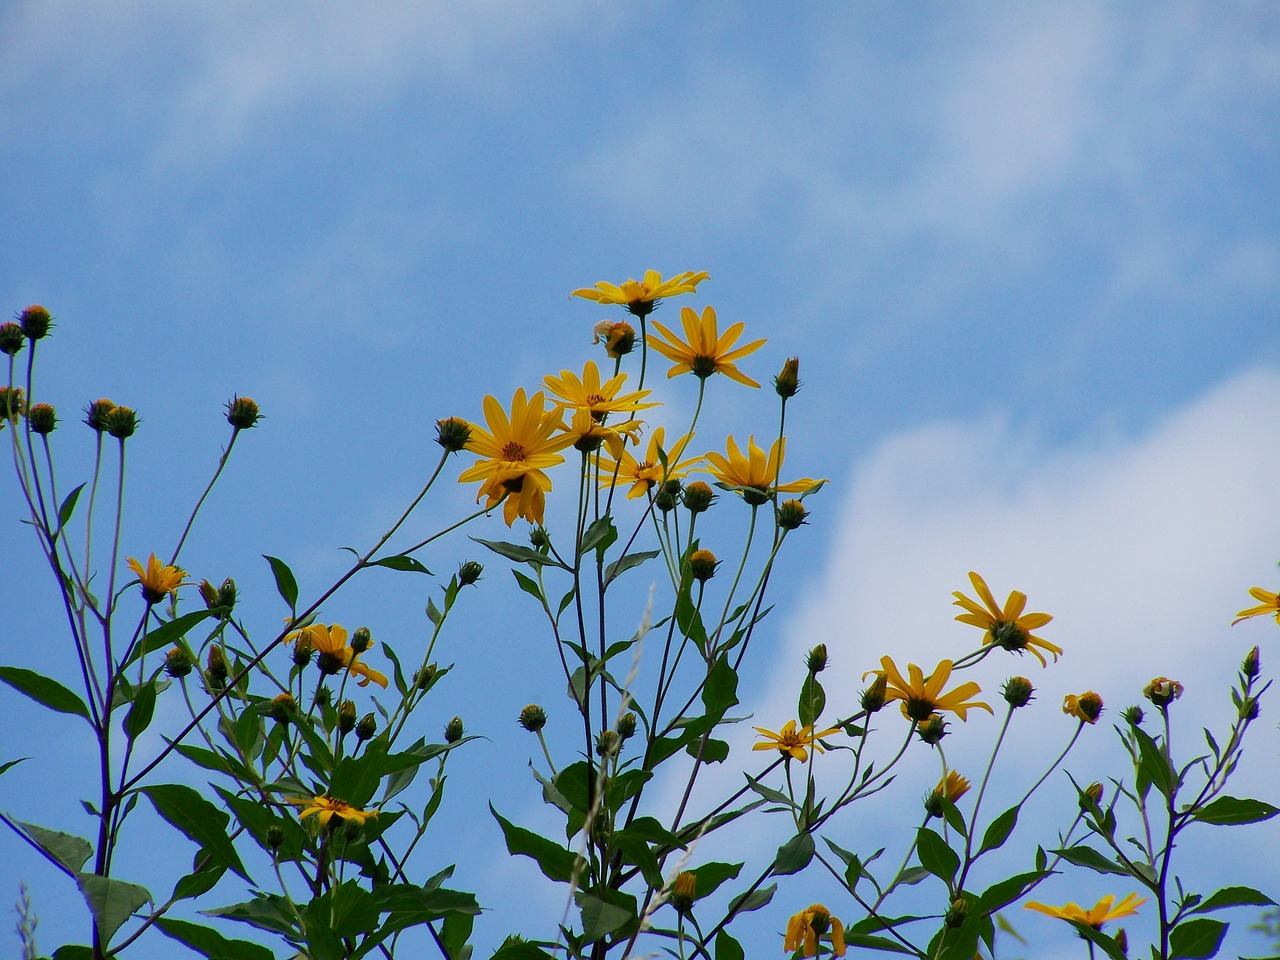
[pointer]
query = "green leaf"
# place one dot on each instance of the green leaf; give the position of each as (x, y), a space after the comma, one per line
(70, 851)
(777, 796)
(514, 551)
(623, 564)
(1084, 856)
(286, 585)
(270, 912)
(521, 950)
(1153, 765)
(210, 943)
(12, 763)
(111, 902)
(599, 536)
(711, 875)
(44, 691)
(528, 585)
(198, 883)
(812, 700)
(555, 862)
(794, 855)
(73, 951)
(1229, 810)
(721, 690)
(198, 820)
(728, 948)
(68, 507)
(1005, 892)
(746, 902)
(1100, 939)
(713, 751)
(167, 634)
(140, 712)
(602, 917)
(935, 856)
(400, 561)
(1234, 897)
(999, 830)
(1196, 939)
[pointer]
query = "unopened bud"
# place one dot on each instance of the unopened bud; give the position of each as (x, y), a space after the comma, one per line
(42, 418)
(1252, 664)
(453, 433)
(932, 729)
(425, 677)
(873, 696)
(1162, 691)
(11, 338)
(35, 322)
(787, 382)
(453, 730)
(177, 663)
(1091, 794)
(1122, 941)
(242, 413)
(1133, 715)
(792, 514)
(351, 830)
(12, 404)
(817, 659)
(684, 891)
(227, 593)
(668, 496)
(275, 837)
(208, 593)
(121, 422)
(361, 640)
(956, 913)
(1249, 708)
(281, 706)
(539, 537)
(608, 743)
(533, 718)
(469, 573)
(697, 496)
(702, 564)
(346, 717)
(95, 414)
(627, 725)
(367, 727)
(302, 651)
(1018, 691)
(216, 668)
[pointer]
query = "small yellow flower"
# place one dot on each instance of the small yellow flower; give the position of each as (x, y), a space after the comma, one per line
(754, 475)
(706, 351)
(808, 926)
(516, 451)
(588, 433)
(157, 579)
(1104, 910)
(589, 393)
(331, 643)
(641, 296)
(952, 786)
(792, 742)
(644, 475)
(1006, 626)
(1085, 707)
(325, 809)
(920, 697)
(1270, 606)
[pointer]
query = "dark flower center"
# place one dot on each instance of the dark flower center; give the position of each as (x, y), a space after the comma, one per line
(513, 452)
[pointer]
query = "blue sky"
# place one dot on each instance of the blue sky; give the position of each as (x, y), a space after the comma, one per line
(1029, 256)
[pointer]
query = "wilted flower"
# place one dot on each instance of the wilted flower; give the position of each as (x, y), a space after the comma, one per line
(1085, 707)
(619, 338)
(807, 927)
(1162, 691)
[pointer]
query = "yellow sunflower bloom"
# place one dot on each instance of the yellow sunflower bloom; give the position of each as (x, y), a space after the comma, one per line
(588, 393)
(589, 433)
(641, 296)
(1104, 910)
(330, 642)
(754, 475)
(1006, 626)
(157, 579)
(703, 351)
(922, 698)
(792, 742)
(326, 809)
(516, 451)
(1270, 606)
(808, 926)
(644, 475)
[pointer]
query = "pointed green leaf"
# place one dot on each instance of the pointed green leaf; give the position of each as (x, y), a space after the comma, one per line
(44, 690)
(1230, 810)
(599, 536)
(746, 902)
(794, 855)
(514, 551)
(812, 700)
(210, 943)
(999, 830)
(198, 820)
(728, 948)
(602, 917)
(1234, 897)
(167, 634)
(623, 564)
(140, 712)
(286, 585)
(401, 562)
(70, 851)
(935, 856)
(67, 509)
(1196, 939)
(111, 902)
(1085, 856)
(553, 860)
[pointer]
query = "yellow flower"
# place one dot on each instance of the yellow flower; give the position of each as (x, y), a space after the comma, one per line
(641, 296)
(1085, 707)
(157, 579)
(1104, 910)
(921, 697)
(706, 352)
(599, 399)
(331, 643)
(588, 433)
(806, 927)
(754, 475)
(1006, 626)
(325, 808)
(792, 742)
(1270, 606)
(952, 786)
(644, 475)
(516, 450)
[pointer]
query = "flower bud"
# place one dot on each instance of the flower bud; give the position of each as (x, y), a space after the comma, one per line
(346, 717)
(177, 663)
(1251, 665)
(11, 338)
(873, 696)
(361, 640)
(242, 413)
(1018, 691)
(330, 664)
(208, 593)
(684, 891)
(951, 787)
(367, 727)
(227, 593)
(816, 662)
(275, 837)
(12, 404)
(932, 729)
(787, 382)
(1091, 794)
(533, 718)
(1085, 707)
(281, 706)
(702, 564)
(425, 677)
(302, 651)
(619, 337)
(1162, 691)
(956, 913)
(121, 422)
(453, 433)
(792, 514)
(608, 743)
(627, 725)
(539, 538)
(42, 418)
(216, 668)
(95, 414)
(351, 830)
(453, 730)
(1133, 715)
(697, 496)
(1122, 941)
(469, 573)
(668, 496)
(35, 322)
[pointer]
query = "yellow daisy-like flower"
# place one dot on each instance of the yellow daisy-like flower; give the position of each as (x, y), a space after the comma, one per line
(588, 393)
(706, 351)
(644, 475)
(952, 786)
(792, 742)
(1006, 626)
(326, 809)
(589, 433)
(921, 698)
(156, 579)
(331, 644)
(808, 926)
(754, 475)
(516, 450)
(1104, 910)
(1269, 606)
(641, 296)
